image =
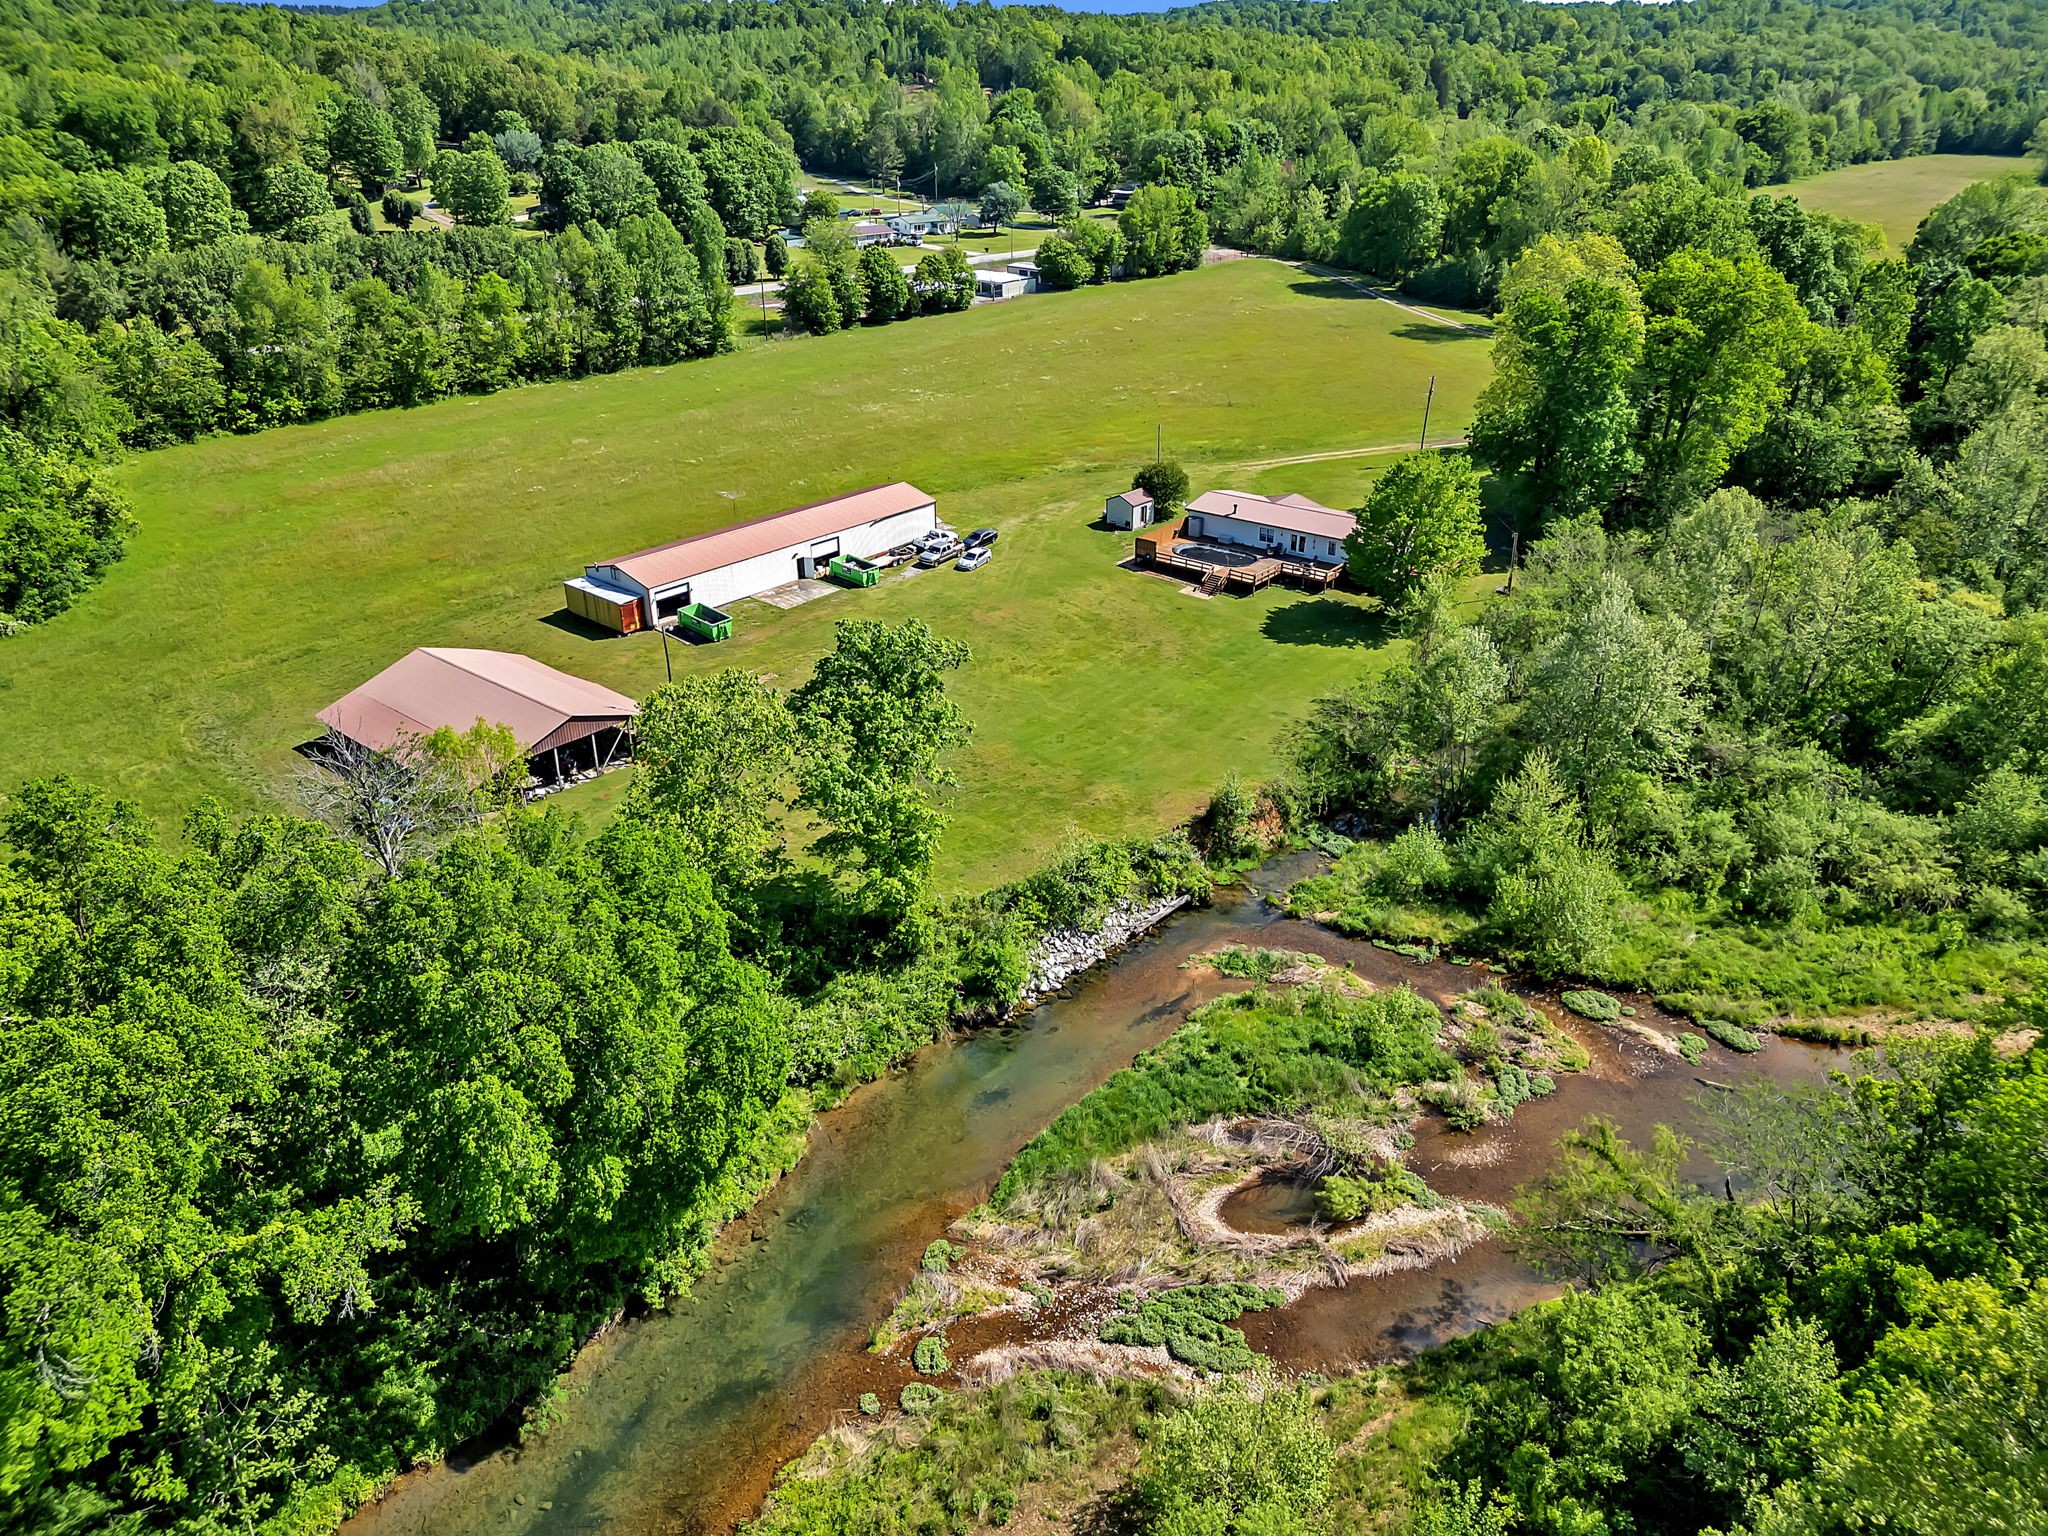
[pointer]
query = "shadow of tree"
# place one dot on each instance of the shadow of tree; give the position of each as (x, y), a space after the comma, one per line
(1423, 330)
(1117, 1512)
(1328, 288)
(1327, 621)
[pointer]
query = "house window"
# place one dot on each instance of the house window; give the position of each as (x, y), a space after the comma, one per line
(1297, 543)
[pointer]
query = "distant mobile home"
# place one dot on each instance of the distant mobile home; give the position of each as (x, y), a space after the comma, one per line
(1285, 525)
(721, 567)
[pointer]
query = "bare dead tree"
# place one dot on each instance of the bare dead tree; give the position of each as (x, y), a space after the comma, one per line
(392, 804)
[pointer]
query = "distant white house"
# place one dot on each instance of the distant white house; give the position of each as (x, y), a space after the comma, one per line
(1000, 285)
(1129, 509)
(1285, 525)
(865, 235)
(925, 224)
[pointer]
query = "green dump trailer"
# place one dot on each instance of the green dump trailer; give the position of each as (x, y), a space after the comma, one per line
(704, 621)
(854, 571)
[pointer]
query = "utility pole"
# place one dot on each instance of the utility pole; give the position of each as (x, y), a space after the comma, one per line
(1159, 443)
(662, 630)
(1427, 400)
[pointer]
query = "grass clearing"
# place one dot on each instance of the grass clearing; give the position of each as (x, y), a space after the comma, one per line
(272, 573)
(1896, 195)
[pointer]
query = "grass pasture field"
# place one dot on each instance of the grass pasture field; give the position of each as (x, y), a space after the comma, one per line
(1896, 195)
(274, 572)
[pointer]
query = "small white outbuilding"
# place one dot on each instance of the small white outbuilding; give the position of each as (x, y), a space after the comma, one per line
(1128, 509)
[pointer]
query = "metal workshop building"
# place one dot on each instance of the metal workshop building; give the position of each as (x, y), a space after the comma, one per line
(713, 569)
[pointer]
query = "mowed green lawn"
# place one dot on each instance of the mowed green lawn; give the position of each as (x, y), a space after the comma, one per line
(1896, 195)
(273, 573)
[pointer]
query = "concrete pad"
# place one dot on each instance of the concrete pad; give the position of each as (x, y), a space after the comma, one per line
(795, 594)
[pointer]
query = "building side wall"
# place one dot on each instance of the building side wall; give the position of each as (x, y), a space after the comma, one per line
(1237, 530)
(612, 576)
(750, 577)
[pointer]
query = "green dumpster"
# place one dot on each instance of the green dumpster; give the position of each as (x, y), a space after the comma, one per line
(704, 621)
(854, 571)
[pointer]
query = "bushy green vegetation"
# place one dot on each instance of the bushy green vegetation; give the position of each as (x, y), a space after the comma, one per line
(982, 1452)
(1192, 1322)
(1347, 1197)
(1260, 964)
(1872, 1310)
(339, 1130)
(1590, 1005)
(919, 1397)
(1256, 1052)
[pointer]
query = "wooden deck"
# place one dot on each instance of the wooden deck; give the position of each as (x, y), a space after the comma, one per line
(1217, 567)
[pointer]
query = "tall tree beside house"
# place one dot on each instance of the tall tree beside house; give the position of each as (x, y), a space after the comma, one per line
(1419, 525)
(363, 142)
(888, 290)
(1001, 202)
(944, 281)
(472, 185)
(1166, 483)
(1557, 416)
(1164, 230)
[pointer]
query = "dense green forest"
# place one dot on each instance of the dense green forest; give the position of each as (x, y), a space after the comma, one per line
(313, 1163)
(311, 1167)
(1759, 726)
(207, 224)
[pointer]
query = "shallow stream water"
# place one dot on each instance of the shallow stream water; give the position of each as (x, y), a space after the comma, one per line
(677, 1422)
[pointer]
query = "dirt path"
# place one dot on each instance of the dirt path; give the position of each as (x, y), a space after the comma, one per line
(1331, 274)
(1352, 453)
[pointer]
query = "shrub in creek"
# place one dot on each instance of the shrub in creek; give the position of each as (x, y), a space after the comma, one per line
(930, 1355)
(1192, 1321)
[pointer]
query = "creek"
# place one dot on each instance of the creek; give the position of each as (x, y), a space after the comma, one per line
(676, 1422)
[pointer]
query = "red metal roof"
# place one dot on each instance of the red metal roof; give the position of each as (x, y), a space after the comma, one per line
(1292, 513)
(666, 564)
(436, 686)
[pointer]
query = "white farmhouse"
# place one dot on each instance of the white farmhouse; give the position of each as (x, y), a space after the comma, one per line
(1286, 526)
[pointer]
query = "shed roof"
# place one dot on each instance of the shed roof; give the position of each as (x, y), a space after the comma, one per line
(1135, 495)
(666, 564)
(1292, 513)
(436, 686)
